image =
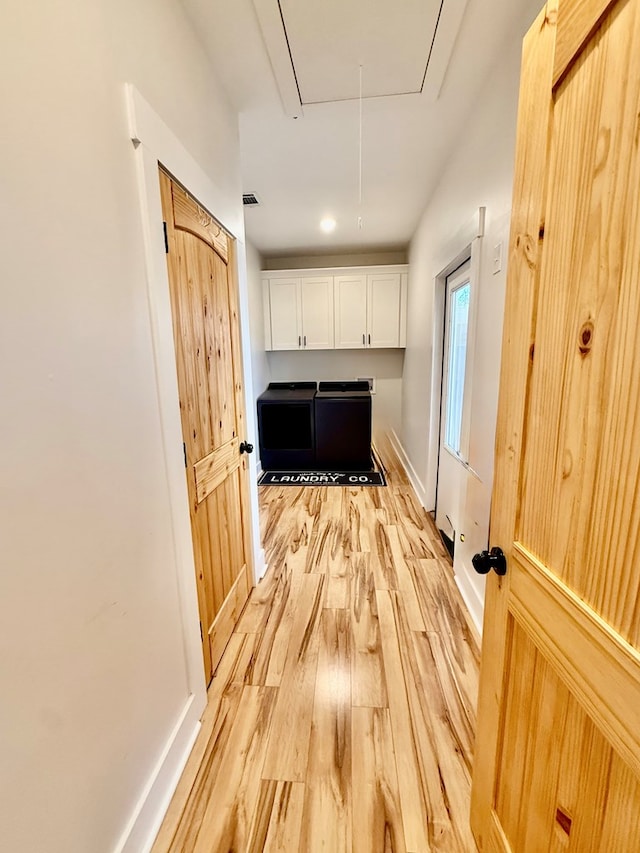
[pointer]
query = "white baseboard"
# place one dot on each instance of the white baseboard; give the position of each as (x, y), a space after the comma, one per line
(262, 566)
(418, 486)
(147, 817)
(472, 598)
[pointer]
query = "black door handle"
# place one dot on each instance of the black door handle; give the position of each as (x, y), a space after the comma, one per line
(245, 447)
(487, 560)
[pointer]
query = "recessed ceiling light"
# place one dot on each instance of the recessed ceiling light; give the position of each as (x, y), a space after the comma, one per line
(328, 224)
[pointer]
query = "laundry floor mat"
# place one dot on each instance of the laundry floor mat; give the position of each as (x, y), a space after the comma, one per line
(322, 478)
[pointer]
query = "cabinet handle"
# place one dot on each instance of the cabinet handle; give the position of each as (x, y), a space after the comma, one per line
(369, 340)
(305, 340)
(363, 340)
(299, 340)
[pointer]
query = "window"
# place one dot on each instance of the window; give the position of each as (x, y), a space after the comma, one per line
(458, 299)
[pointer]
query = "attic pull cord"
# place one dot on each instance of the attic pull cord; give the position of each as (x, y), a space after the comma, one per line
(360, 155)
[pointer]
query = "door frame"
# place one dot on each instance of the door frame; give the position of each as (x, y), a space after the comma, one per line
(466, 244)
(155, 144)
(444, 374)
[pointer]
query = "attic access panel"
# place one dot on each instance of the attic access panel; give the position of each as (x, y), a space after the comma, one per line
(328, 41)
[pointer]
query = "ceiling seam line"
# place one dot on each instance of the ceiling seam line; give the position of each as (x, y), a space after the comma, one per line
(293, 67)
(433, 41)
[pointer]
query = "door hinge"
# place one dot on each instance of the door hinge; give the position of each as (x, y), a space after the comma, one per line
(201, 634)
(184, 450)
(166, 238)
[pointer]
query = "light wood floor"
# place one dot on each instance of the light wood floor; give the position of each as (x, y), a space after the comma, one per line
(342, 715)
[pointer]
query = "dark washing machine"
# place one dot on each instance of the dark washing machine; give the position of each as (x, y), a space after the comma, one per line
(286, 420)
(343, 426)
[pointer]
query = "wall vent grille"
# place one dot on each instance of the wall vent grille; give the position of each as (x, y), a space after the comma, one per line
(250, 199)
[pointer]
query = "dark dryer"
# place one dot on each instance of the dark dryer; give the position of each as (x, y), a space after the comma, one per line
(286, 426)
(343, 426)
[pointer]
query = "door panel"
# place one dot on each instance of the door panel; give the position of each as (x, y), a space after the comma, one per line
(209, 366)
(581, 477)
(558, 754)
(557, 797)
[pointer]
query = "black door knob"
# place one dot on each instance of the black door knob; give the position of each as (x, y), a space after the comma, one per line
(245, 447)
(487, 560)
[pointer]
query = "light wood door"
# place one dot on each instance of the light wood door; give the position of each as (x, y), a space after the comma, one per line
(351, 311)
(384, 300)
(286, 313)
(557, 763)
(317, 312)
(204, 302)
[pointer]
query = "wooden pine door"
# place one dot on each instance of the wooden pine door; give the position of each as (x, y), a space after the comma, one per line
(557, 763)
(204, 302)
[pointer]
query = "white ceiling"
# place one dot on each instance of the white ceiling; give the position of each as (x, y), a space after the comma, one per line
(305, 168)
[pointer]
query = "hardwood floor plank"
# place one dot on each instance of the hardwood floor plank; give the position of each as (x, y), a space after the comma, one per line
(326, 823)
(415, 818)
(278, 817)
(227, 818)
(274, 646)
(271, 643)
(405, 581)
(458, 684)
(288, 744)
(377, 816)
(442, 607)
(382, 562)
(445, 743)
(368, 686)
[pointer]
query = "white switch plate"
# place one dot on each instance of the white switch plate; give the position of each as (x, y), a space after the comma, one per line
(497, 258)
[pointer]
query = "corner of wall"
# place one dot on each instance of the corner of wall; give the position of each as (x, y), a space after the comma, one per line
(415, 481)
(148, 814)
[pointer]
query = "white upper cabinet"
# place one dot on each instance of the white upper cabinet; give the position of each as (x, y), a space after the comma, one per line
(357, 308)
(285, 312)
(370, 310)
(385, 310)
(299, 312)
(317, 312)
(351, 311)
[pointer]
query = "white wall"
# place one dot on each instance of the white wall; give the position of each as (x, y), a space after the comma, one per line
(93, 670)
(479, 173)
(384, 365)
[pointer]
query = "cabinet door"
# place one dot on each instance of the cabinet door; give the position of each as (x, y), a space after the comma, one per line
(317, 312)
(286, 315)
(384, 306)
(351, 311)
